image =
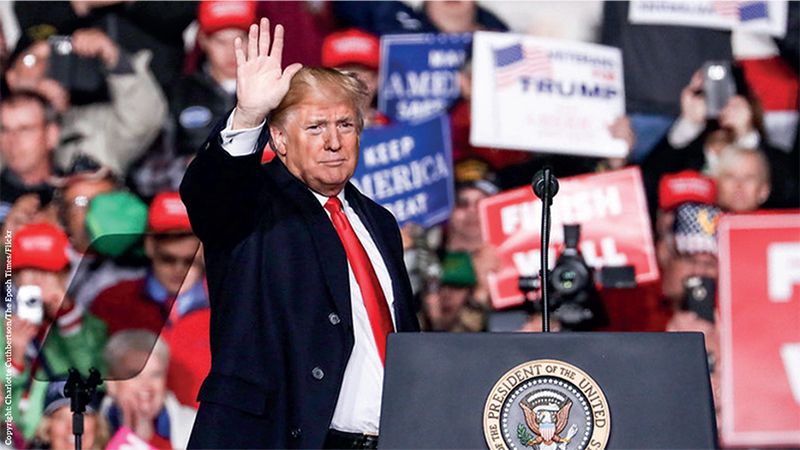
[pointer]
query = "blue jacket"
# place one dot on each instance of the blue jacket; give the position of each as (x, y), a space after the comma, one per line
(280, 299)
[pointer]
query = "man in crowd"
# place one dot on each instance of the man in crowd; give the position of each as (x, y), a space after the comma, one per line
(28, 135)
(111, 105)
(200, 99)
(306, 274)
(174, 284)
(690, 280)
(172, 296)
(743, 179)
(74, 338)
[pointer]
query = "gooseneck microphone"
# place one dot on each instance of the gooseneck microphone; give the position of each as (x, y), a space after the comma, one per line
(545, 186)
(539, 183)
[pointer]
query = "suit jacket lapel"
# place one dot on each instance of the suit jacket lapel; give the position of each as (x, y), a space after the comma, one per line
(329, 248)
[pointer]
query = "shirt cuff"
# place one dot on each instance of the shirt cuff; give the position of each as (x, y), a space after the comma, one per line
(240, 142)
(683, 132)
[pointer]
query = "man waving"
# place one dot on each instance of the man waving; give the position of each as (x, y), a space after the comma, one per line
(306, 276)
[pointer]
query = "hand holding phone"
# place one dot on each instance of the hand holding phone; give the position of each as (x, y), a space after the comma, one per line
(699, 297)
(30, 306)
(718, 86)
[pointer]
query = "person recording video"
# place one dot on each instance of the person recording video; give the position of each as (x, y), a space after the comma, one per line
(110, 104)
(49, 332)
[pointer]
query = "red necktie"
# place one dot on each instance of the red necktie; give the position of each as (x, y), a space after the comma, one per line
(380, 319)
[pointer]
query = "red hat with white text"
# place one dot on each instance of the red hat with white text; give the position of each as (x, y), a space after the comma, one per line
(351, 46)
(683, 187)
(168, 214)
(40, 246)
(213, 16)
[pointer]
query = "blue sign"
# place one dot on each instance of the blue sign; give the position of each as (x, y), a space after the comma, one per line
(419, 74)
(408, 169)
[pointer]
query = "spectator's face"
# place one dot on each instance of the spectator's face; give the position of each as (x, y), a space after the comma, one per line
(681, 267)
(53, 285)
(26, 139)
(444, 305)
(144, 394)
(29, 68)
(319, 142)
(465, 226)
(59, 431)
(742, 186)
(452, 16)
(218, 48)
(172, 259)
(76, 198)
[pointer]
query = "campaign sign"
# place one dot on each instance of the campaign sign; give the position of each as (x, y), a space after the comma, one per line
(615, 228)
(408, 169)
(418, 74)
(754, 16)
(546, 95)
(759, 303)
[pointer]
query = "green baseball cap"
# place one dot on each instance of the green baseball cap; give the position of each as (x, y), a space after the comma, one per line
(115, 221)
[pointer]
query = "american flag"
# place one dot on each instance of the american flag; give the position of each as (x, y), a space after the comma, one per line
(726, 8)
(741, 11)
(753, 11)
(516, 60)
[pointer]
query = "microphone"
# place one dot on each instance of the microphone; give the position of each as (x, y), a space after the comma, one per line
(538, 183)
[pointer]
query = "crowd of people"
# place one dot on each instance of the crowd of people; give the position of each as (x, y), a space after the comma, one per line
(104, 104)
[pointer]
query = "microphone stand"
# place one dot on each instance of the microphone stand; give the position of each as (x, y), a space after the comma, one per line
(545, 186)
(80, 393)
(547, 200)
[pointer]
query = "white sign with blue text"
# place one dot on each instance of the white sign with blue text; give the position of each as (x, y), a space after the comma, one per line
(546, 95)
(768, 17)
(408, 169)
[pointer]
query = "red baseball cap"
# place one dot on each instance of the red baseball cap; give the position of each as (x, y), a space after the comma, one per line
(168, 213)
(351, 46)
(218, 15)
(686, 186)
(40, 246)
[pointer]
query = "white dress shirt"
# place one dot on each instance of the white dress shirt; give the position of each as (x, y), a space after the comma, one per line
(358, 407)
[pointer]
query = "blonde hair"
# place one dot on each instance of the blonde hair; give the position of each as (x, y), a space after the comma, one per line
(332, 83)
(102, 431)
(122, 343)
(731, 155)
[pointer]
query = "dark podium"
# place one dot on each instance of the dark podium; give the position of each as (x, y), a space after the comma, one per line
(656, 386)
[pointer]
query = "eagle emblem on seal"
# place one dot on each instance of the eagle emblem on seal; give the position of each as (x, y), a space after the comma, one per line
(546, 415)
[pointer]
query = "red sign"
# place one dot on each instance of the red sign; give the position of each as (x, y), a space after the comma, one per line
(615, 228)
(759, 299)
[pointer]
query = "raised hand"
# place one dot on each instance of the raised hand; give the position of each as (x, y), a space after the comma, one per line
(93, 43)
(737, 115)
(260, 82)
(693, 102)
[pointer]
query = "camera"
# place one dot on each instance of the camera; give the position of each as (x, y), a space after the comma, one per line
(574, 298)
(30, 306)
(719, 85)
(699, 296)
(82, 77)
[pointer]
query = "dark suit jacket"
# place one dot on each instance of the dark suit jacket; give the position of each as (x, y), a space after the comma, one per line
(281, 322)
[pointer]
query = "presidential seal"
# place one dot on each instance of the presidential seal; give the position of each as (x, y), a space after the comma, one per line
(546, 405)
